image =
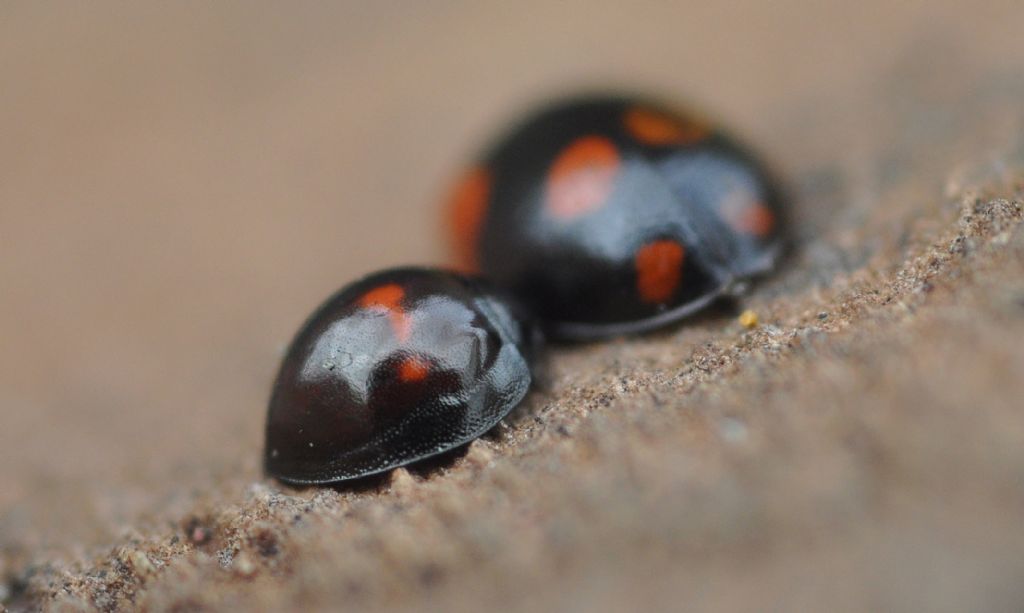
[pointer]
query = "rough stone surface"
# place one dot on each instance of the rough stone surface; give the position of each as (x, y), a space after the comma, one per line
(180, 186)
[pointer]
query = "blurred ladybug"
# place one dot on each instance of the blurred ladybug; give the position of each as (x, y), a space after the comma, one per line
(614, 215)
(401, 365)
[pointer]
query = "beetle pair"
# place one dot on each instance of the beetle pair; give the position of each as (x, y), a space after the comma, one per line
(595, 218)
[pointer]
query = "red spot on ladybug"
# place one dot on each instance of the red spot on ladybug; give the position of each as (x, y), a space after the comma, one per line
(466, 212)
(581, 178)
(756, 219)
(747, 214)
(413, 369)
(659, 268)
(657, 128)
(389, 298)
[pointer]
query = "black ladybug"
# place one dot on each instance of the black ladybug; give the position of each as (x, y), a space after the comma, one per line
(401, 365)
(614, 215)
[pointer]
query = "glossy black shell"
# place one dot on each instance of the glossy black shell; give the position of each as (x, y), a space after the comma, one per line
(615, 215)
(399, 366)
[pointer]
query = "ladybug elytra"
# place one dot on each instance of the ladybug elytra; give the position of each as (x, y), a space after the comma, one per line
(399, 366)
(613, 215)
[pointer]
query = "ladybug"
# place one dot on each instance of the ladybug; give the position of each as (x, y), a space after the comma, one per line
(401, 365)
(614, 215)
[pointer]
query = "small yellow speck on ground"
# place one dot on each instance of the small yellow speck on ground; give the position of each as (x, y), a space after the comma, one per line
(748, 319)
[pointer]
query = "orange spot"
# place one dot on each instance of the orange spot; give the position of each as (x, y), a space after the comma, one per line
(656, 128)
(756, 219)
(413, 369)
(746, 213)
(389, 298)
(659, 268)
(582, 177)
(466, 209)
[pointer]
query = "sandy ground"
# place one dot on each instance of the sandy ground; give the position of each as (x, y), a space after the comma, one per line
(179, 186)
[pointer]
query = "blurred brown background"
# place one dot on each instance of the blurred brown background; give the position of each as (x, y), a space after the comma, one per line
(181, 183)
